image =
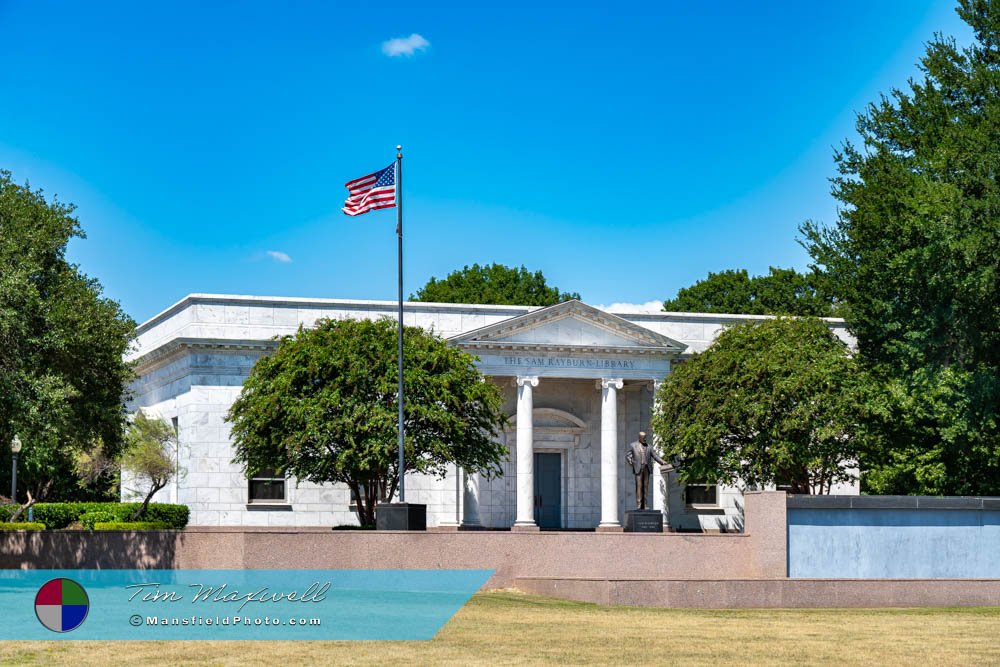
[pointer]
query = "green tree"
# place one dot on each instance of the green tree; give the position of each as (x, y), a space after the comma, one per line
(915, 254)
(493, 284)
(149, 455)
(62, 373)
(769, 402)
(780, 292)
(323, 408)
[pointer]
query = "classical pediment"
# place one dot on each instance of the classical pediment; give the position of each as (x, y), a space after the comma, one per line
(570, 326)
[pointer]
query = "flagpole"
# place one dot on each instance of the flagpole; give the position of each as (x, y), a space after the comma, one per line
(399, 237)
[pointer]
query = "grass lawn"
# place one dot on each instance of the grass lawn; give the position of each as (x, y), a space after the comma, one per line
(507, 627)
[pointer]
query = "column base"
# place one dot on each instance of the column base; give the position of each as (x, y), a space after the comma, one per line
(525, 528)
(472, 526)
(609, 528)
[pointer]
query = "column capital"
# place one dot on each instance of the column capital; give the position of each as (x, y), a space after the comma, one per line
(522, 380)
(608, 383)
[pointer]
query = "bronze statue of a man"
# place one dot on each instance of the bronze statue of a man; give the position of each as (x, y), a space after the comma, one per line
(640, 456)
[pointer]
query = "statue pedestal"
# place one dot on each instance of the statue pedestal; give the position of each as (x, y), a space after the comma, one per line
(643, 521)
(400, 516)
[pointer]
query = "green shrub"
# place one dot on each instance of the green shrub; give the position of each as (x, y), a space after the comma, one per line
(61, 515)
(57, 515)
(132, 525)
(174, 515)
(88, 519)
(22, 526)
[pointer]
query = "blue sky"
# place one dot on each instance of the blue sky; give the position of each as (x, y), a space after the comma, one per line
(624, 149)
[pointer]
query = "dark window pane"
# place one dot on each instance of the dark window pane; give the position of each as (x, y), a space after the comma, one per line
(267, 489)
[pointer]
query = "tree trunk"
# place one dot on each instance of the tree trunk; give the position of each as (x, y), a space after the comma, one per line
(141, 511)
(366, 510)
(16, 515)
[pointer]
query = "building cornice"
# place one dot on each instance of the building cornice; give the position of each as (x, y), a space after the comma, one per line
(584, 349)
(389, 307)
(172, 349)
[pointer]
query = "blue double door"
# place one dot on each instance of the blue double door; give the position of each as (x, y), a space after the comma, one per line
(548, 490)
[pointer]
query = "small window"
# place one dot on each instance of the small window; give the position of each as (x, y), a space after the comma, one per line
(701, 494)
(267, 487)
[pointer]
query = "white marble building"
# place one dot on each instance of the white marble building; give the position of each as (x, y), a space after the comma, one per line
(579, 385)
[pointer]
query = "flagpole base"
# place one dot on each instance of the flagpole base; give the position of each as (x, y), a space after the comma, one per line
(400, 516)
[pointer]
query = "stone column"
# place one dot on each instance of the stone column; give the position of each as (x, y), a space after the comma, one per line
(609, 453)
(470, 500)
(525, 514)
(453, 518)
(661, 478)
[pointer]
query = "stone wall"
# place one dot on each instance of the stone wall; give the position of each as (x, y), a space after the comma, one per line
(512, 555)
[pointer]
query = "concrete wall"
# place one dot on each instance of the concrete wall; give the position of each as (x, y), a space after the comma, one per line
(891, 537)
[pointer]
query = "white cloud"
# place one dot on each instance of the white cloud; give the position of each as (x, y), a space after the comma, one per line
(404, 46)
(279, 256)
(648, 307)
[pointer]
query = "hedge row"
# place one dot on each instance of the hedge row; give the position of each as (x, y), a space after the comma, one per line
(60, 515)
(133, 525)
(21, 526)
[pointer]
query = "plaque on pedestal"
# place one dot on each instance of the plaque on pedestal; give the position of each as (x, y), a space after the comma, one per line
(400, 516)
(643, 521)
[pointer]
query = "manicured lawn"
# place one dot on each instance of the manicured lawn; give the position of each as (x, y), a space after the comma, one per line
(506, 627)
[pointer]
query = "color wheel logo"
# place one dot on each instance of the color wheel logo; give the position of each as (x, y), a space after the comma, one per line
(61, 605)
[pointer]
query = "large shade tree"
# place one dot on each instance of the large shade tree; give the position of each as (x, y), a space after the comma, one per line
(493, 284)
(323, 408)
(779, 292)
(770, 402)
(915, 253)
(62, 373)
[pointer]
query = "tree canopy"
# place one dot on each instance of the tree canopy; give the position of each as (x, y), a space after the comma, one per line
(915, 254)
(323, 408)
(780, 292)
(769, 402)
(62, 373)
(493, 284)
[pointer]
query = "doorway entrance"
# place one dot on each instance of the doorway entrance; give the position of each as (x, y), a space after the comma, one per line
(548, 490)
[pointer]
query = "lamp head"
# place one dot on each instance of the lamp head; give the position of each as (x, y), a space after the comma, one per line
(15, 445)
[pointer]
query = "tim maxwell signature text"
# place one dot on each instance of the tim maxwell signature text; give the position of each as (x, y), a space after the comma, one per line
(150, 592)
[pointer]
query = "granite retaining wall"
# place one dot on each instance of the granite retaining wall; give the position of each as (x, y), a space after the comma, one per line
(758, 552)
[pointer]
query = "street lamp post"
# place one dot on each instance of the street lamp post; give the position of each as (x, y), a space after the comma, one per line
(15, 449)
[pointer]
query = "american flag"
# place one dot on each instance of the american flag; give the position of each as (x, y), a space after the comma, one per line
(371, 192)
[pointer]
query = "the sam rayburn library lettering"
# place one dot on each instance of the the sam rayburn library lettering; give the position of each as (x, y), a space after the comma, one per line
(579, 384)
(569, 362)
